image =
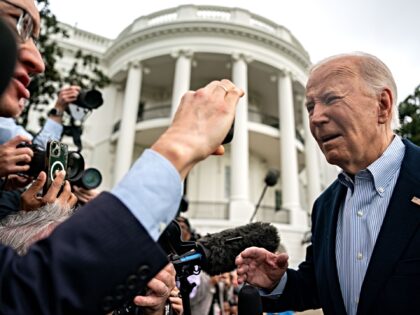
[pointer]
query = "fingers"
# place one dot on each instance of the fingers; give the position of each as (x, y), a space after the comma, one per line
(282, 260)
(234, 95)
(253, 253)
(219, 151)
(55, 187)
(176, 304)
(13, 159)
(68, 95)
(37, 184)
(160, 288)
(17, 140)
(15, 181)
(67, 198)
(85, 195)
(157, 295)
(167, 276)
(29, 200)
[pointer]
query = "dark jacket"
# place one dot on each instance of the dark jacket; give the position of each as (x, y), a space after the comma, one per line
(92, 263)
(392, 281)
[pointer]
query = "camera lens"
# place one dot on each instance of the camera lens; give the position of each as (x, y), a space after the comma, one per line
(75, 166)
(91, 178)
(91, 99)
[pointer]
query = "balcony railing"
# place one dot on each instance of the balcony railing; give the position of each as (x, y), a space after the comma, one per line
(220, 211)
(271, 214)
(259, 117)
(208, 210)
(213, 13)
(164, 111)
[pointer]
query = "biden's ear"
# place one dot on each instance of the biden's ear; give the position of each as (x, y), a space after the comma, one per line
(385, 100)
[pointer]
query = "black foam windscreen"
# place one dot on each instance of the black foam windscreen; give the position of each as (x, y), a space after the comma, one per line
(271, 177)
(249, 301)
(8, 55)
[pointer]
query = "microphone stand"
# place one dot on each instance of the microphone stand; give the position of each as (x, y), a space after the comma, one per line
(185, 289)
(185, 266)
(258, 203)
(270, 180)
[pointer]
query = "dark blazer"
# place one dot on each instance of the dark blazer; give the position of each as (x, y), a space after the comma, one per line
(90, 264)
(392, 281)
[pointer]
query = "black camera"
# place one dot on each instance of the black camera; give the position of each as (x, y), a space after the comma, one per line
(90, 179)
(89, 99)
(72, 162)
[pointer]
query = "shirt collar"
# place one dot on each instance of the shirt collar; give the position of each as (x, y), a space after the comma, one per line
(382, 170)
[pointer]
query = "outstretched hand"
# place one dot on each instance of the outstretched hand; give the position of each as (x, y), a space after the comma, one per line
(200, 125)
(259, 267)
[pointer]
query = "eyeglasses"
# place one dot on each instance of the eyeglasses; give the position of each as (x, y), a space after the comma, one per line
(24, 24)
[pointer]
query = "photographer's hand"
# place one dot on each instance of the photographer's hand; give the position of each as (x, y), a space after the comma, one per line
(160, 287)
(66, 96)
(30, 200)
(14, 182)
(12, 157)
(85, 195)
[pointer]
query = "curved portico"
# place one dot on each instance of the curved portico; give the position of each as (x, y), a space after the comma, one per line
(186, 47)
(159, 57)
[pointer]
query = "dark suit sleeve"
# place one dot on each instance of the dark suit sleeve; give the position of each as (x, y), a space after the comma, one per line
(300, 292)
(91, 264)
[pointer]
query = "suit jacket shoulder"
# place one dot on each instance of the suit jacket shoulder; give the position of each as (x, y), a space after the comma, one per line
(90, 264)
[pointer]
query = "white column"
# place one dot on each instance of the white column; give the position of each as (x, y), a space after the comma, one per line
(311, 161)
(125, 145)
(288, 154)
(182, 77)
(241, 208)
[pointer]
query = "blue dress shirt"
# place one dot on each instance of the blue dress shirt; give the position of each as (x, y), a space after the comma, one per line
(9, 129)
(152, 191)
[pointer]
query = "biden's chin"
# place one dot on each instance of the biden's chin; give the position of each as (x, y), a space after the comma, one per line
(335, 157)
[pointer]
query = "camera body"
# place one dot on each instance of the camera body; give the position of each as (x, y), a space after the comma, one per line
(37, 163)
(56, 157)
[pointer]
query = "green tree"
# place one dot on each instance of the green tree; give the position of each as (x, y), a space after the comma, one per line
(409, 110)
(44, 87)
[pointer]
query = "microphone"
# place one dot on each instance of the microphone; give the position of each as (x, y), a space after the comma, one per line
(216, 252)
(249, 301)
(271, 177)
(8, 57)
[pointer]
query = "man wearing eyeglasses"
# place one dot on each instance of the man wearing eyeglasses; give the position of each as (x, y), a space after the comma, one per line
(23, 17)
(106, 253)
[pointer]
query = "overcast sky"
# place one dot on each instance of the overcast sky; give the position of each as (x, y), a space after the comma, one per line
(389, 29)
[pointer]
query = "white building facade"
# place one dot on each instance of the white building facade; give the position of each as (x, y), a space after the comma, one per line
(159, 57)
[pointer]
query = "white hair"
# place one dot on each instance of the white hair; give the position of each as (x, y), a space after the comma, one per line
(22, 229)
(376, 75)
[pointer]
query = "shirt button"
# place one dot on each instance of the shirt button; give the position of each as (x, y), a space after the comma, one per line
(381, 189)
(359, 256)
(360, 213)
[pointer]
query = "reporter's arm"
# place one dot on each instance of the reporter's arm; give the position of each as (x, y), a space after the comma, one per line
(52, 130)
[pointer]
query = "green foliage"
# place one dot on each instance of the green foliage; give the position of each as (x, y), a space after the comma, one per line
(45, 87)
(409, 110)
